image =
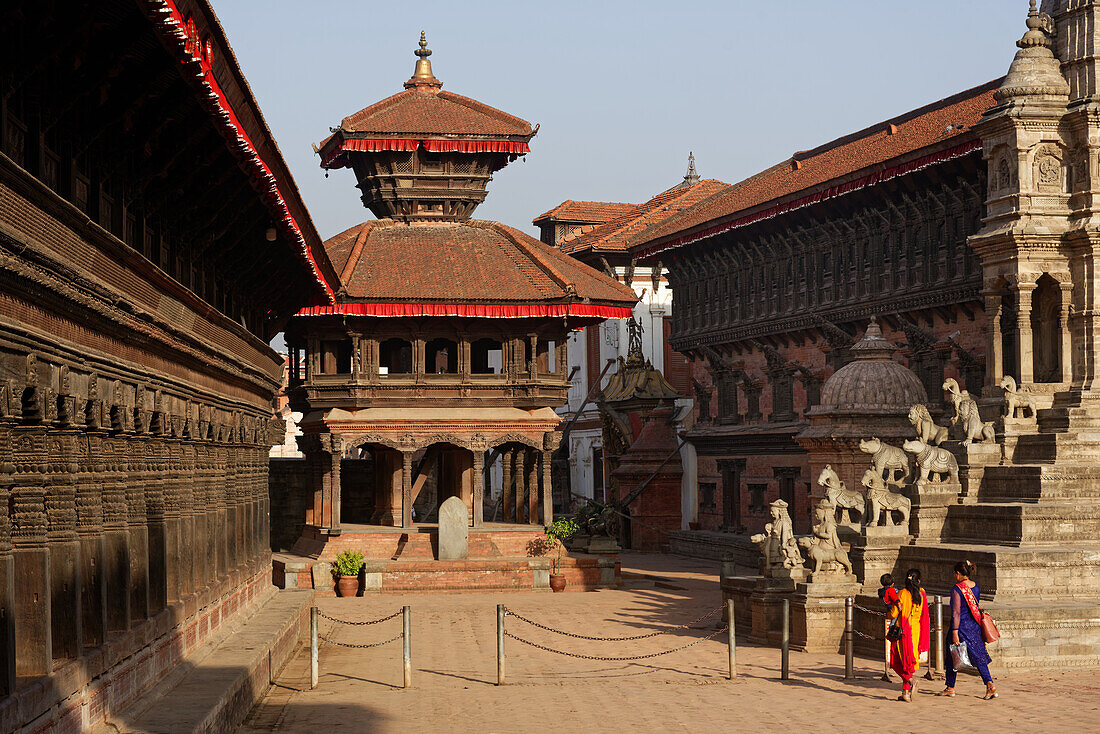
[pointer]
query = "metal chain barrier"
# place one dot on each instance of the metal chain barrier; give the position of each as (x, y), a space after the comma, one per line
(322, 615)
(316, 638)
(513, 613)
(322, 638)
(875, 612)
(618, 658)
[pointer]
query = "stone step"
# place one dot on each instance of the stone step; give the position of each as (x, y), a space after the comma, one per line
(1036, 482)
(1034, 634)
(1049, 572)
(1013, 523)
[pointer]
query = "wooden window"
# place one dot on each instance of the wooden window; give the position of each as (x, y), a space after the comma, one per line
(677, 366)
(395, 356)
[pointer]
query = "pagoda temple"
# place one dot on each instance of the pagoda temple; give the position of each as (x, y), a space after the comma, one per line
(444, 351)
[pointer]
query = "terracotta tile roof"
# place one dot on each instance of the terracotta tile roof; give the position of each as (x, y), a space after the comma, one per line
(435, 112)
(588, 212)
(942, 125)
(462, 262)
(632, 225)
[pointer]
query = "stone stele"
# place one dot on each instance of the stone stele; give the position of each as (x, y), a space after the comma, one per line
(454, 530)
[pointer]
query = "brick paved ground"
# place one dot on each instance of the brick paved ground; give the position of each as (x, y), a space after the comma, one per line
(454, 669)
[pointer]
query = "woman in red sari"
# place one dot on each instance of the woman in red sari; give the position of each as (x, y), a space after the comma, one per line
(910, 611)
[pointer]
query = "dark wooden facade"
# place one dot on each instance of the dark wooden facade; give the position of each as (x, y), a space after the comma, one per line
(144, 264)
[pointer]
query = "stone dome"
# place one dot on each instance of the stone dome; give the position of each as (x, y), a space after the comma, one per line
(872, 382)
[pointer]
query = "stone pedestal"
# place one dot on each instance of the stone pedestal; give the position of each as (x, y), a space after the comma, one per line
(973, 460)
(930, 503)
(766, 602)
(1014, 428)
(817, 612)
(603, 545)
(876, 552)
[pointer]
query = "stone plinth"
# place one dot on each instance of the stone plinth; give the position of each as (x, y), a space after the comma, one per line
(454, 530)
(763, 596)
(973, 460)
(817, 612)
(599, 545)
(646, 464)
(930, 503)
(876, 552)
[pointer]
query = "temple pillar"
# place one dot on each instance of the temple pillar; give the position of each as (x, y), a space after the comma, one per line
(7, 565)
(406, 489)
(182, 476)
(1067, 338)
(162, 518)
(231, 518)
(137, 525)
(64, 547)
(547, 488)
(387, 483)
(507, 504)
(336, 454)
(90, 492)
(31, 557)
(478, 479)
(532, 486)
(116, 568)
(994, 345)
(221, 512)
(1024, 343)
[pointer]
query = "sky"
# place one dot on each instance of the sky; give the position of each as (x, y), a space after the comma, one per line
(622, 90)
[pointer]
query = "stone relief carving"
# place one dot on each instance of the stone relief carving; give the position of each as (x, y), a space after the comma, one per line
(1048, 168)
(927, 429)
(933, 461)
(888, 460)
(842, 499)
(777, 542)
(1016, 400)
(966, 411)
(823, 548)
(883, 501)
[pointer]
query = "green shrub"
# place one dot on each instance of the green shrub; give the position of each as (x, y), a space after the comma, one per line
(348, 563)
(557, 533)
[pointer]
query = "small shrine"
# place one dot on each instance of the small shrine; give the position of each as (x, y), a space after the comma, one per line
(445, 350)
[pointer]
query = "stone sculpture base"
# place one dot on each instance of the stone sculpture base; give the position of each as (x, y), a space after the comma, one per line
(973, 460)
(817, 612)
(876, 552)
(930, 503)
(602, 545)
(764, 596)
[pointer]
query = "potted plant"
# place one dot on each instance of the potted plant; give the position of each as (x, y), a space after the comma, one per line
(346, 570)
(557, 533)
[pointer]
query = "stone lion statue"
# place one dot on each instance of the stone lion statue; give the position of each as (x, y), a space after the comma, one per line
(927, 430)
(966, 410)
(839, 496)
(882, 499)
(887, 458)
(932, 460)
(1016, 399)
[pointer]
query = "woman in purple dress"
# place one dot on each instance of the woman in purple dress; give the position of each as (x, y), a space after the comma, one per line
(964, 628)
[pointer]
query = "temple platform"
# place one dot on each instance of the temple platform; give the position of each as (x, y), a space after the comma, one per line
(404, 560)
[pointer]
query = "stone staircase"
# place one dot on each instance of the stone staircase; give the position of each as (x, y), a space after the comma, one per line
(1033, 529)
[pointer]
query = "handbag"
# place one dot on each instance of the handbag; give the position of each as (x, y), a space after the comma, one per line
(894, 632)
(990, 633)
(960, 656)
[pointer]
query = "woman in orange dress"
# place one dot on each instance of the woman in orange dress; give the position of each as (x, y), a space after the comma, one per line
(909, 611)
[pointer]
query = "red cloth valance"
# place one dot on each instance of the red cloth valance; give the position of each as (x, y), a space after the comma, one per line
(473, 310)
(374, 145)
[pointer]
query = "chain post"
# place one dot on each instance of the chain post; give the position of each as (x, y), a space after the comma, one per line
(849, 638)
(886, 651)
(500, 644)
(312, 647)
(732, 638)
(406, 643)
(941, 661)
(785, 642)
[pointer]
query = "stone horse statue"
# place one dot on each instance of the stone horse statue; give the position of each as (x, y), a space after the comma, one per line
(839, 496)
(966, 410)
(1016, 399)
(882, 499)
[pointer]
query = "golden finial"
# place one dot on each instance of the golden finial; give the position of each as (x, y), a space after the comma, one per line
(422, 74)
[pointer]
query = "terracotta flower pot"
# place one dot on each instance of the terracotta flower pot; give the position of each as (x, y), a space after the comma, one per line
(557, 582)
(347, 586)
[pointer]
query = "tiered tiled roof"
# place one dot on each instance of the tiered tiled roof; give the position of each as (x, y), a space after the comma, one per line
(414, 112)
(467, 262)
(631, 226)
(584, 211)
(919, 138)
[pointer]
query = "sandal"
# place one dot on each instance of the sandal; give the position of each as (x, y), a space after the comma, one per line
(947, 692)
(990, 694)
(906, 696)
